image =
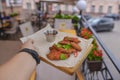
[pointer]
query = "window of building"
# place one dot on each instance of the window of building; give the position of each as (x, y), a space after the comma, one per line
(54, 7)
(109, 9)
(101, 9)
(66, 7)
(13, 2)
(28, 5)
(58, 7)
(70, 8)
(93, 8)
(63, 7)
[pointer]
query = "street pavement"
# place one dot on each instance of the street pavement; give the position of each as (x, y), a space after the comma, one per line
(112, 42)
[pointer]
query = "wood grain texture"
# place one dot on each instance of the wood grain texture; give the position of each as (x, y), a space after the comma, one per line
(33, 76)
(79, 75)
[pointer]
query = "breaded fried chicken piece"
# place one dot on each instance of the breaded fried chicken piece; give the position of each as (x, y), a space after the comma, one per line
(76, 46)
(64, 42)
(62, 50)
(52, 47)
(71, 39)
(55, 55)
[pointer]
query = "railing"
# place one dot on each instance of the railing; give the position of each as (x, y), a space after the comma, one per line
(105, 73)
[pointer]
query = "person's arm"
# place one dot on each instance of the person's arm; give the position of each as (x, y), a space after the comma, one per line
(20, 67)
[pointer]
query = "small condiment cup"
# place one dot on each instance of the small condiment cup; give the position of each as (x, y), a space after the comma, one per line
(50, 35)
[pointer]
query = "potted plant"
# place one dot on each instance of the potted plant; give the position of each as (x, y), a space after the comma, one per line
(66, 16)
(62, 16)
(57, 16)
(14, 14)
(94, 59)
(75, 20)
(75, 26)
(63, 21)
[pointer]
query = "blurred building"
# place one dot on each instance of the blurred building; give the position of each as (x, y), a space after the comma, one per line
(93, 6)
(103, 6)
(17, 5)
(52, 6)
(10, 6)
(28, 4)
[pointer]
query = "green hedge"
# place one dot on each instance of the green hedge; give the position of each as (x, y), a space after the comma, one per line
(14, 14)
(66, 16)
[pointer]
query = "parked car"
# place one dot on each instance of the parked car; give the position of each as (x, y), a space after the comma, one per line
(113, 16)
(101, 24)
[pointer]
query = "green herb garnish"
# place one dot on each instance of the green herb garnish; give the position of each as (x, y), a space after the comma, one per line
(67, 46)
(58, 45)
(62, 56)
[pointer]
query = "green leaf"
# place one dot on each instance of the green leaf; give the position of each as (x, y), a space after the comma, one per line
(67, 46)
(59, 16)
(75, 24)
(58, 45)
(75, 18)
(66, 16)
(62, 56)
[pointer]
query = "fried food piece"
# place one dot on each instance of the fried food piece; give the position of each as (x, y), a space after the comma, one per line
(76, 46)
(64, 42)
(55, 55)
(68, 51)
(72, 50)
(71, 39)
(62, 50)
(52, 47)
(50, 56)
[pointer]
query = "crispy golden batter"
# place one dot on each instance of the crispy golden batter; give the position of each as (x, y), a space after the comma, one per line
(64, 42)
(55, 55)
(71, 39)
(76, 46)
(62, 50)
(57, 50)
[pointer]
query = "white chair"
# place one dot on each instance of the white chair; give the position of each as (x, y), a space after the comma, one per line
(26, 29)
